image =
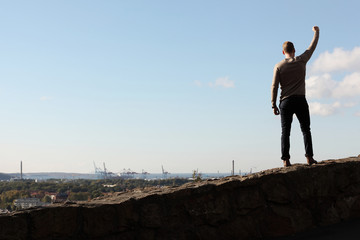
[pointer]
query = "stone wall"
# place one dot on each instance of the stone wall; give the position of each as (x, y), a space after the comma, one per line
(272, 203)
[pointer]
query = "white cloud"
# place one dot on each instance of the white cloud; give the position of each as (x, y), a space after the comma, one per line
(325, 87)
(349, 87)
(321, 109)
(349, 104)
(223, 82)
(357, 114)
(338, 60)
(197, 83)
(320, 86)
(45, 98)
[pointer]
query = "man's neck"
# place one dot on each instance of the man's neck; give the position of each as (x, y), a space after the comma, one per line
(289, 55)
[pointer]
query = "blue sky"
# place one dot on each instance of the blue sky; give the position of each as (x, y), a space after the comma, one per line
(184, 84)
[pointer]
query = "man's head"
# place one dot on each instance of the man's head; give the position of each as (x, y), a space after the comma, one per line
(288, 48)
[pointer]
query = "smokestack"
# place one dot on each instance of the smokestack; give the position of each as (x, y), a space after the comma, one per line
(233, 169)
(21, 177)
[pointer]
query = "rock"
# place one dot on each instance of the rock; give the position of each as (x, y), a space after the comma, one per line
(269, 204)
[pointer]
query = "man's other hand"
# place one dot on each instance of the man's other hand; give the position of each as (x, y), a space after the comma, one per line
(276, 110)
(315, 28)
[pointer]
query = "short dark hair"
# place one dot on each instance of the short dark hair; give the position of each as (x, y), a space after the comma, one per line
(288, 47)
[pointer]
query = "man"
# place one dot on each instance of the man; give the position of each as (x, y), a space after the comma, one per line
(290, 74)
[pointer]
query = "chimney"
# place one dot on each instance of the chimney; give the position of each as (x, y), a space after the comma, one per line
(233, 169)
(21, 177)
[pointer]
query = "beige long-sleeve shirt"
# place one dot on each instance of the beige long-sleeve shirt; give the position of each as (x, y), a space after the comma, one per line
(290, 74)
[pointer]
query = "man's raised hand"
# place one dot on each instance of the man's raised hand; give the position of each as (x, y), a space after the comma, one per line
(315, 28)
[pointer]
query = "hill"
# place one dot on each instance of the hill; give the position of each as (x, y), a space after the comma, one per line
(270, 204)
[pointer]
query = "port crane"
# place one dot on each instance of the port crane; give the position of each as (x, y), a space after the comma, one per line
(164, 172)
(104, 173)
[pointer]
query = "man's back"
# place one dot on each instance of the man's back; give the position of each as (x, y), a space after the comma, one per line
(290, 74)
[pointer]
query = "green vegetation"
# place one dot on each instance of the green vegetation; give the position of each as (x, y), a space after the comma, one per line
(78, 190)
(196, 176)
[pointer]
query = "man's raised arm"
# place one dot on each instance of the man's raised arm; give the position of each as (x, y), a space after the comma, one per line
(309, 51)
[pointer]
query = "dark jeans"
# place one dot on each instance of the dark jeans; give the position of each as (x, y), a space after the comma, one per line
(288, 107)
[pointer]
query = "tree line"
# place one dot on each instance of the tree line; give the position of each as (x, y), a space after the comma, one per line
(77, 190)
